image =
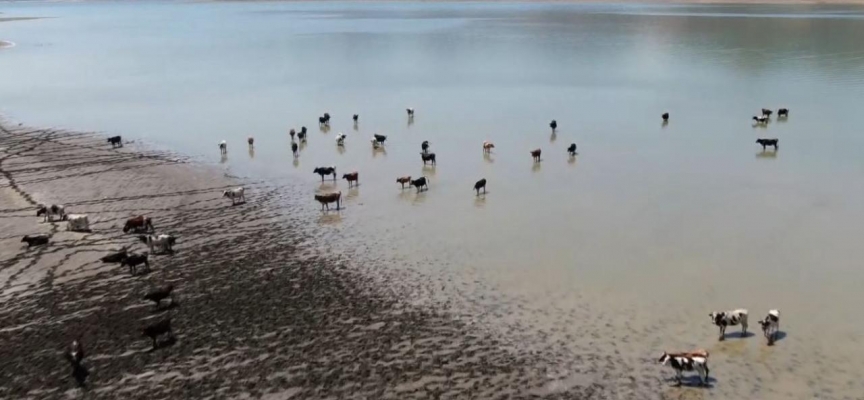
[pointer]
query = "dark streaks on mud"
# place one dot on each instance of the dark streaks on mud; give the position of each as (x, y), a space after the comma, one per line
(262, 311)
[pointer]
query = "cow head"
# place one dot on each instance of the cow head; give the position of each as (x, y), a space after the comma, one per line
(716, 316)
(664, 358)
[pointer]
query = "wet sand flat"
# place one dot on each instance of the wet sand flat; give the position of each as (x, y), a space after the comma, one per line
(259, 313)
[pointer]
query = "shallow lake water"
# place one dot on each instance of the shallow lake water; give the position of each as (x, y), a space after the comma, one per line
(619, 252)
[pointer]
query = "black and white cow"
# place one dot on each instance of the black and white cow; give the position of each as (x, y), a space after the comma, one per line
(729, 318)
(49, 212)
(236, 195)
(223, 147)
(165, 243)
(681, 363)
(771, 325)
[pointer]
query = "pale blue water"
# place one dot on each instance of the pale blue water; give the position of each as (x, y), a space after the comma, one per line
(693, 205)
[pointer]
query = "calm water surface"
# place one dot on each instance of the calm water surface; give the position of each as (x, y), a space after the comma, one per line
(621, 251)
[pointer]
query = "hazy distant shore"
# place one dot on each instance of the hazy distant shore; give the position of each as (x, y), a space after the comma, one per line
(666, 2)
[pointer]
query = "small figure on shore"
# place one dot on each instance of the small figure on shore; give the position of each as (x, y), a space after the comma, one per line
(766, 112)
(356, 117)
(481, 184)
(251, 140)
(340, 139)
(223, 147)
(783, 113)
(410, 112)
(75, 355)
(424, 146)
(760, 119)
(292, 133)
(294, 149)
(488, 146)
(572, 149)
(553, 125)
(116, 141)
(665, 117)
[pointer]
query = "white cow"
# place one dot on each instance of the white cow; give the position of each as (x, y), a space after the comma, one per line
(77, 222)
(236, 194)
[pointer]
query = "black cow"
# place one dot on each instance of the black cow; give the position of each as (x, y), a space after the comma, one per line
(428, 157)
(134, 260)
(156, 329)
(159, 294)
(116, 141)
(572, 149)
(35, 240)
(420, 183)
(480, 184)
(115, 257)
(325, 171)
(768, 142)
(553, 124)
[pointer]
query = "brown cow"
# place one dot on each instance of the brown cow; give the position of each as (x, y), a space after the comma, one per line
(139, 223)
(488, 146)
(352, 178)
(403, 180)
(536, 154)
(326, 199)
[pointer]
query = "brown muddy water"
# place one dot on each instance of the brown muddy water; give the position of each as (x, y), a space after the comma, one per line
(619, 253)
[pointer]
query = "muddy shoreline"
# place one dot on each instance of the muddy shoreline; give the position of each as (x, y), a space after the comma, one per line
(262, 313)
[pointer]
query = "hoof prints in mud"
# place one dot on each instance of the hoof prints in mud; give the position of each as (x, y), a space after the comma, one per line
(255, 317)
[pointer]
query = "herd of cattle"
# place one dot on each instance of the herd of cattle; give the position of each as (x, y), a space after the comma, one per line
(694, 361)
(697, 361)
(143, 227)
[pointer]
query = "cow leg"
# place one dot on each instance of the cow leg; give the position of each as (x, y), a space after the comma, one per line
(744, 328)
(722, 333)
